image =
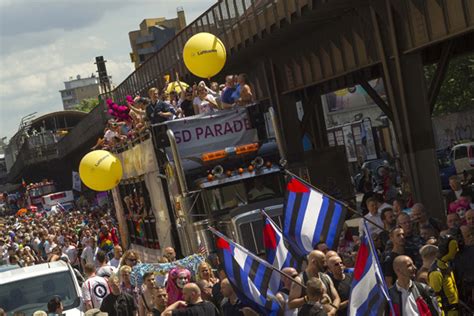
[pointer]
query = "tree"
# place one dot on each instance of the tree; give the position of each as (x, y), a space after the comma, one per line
(87, 105)
(457, 90)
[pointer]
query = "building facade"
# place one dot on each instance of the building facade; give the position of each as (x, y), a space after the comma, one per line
(79, 89)
(152, 35)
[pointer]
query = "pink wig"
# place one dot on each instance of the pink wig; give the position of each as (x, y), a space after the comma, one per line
(174, 292)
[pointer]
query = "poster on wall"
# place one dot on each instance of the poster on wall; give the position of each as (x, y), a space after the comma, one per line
(349, 143)
(367, 139)
(76, 181)
(353, 97)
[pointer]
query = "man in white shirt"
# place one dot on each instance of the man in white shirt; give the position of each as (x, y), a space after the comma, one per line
(86, 237)
(71, 251)
(409, 297)
(49, 245)
(115, 261)
(373, 216)
(88, 254)
(104, 270)
(94, 289)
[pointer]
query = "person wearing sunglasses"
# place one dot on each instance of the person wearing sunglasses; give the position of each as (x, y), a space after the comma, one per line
(342, 282)
(282, 295)
(130, 258)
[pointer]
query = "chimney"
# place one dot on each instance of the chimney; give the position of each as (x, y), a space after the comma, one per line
(78, 77)
(181, 19)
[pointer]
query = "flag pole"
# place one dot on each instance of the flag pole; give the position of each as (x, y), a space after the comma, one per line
(265, 263)
(334, 199)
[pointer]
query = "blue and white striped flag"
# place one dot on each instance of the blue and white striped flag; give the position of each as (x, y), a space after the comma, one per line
(311, 217)
(249, 275)
(369, 294)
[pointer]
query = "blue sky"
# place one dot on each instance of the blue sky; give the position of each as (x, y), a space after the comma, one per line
(45, 42)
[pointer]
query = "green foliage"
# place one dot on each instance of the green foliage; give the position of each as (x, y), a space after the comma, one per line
(457, 90)
(87, 105)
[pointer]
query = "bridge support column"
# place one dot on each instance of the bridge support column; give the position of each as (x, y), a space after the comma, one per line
(285, 106)
(413, 125)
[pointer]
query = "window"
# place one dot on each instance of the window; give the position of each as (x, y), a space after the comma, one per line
(460, 153)
(225, 197)
(141, 222)
(242, 192)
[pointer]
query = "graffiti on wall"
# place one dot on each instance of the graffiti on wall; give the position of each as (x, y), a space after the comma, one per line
(453, 128)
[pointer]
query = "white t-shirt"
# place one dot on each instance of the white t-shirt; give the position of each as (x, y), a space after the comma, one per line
(372, 228)
(205, 106)
(114, 262)
(71, 253)
(84, 240)
(49, 246)
(106, 271)
(94, 290)
(408, 303)
(88, 255)
(35, 244)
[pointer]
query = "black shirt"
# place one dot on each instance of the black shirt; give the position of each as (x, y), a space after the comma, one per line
(387, 265)
(344, 289)
(118, 305)
(203, 308)
(187, 107)
(312, 309)
(153, 110)
(232, 309)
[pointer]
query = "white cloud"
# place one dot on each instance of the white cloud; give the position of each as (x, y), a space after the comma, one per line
(36, 60)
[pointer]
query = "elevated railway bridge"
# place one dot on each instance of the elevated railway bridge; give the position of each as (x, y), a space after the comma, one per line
(298, 50)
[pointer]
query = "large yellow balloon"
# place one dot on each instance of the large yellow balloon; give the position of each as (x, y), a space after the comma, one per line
(100, 170)
(204, 55)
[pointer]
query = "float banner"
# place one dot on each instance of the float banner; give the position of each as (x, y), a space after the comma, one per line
(206, 133)
(160, 269)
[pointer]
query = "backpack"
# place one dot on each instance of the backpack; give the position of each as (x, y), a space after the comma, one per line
(428, 298)
(324, 278)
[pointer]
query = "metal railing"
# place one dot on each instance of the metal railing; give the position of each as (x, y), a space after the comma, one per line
(233, 21)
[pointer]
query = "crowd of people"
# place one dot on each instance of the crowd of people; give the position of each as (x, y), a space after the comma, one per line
(426, 265)
(175, 101)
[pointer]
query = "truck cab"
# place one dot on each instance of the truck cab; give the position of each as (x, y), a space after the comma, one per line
(222, 180)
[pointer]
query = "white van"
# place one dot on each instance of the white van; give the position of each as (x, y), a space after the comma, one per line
(29, 289)
(64, 198)
(462, 156)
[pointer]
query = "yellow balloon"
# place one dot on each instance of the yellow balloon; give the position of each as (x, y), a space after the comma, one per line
(204, 55)
(100, 170)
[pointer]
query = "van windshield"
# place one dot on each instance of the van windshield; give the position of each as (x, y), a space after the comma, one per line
(33, 294)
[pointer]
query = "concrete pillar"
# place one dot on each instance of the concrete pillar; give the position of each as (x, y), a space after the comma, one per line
(319, 123)
(285, 107)
(415, 132)
(291, 128)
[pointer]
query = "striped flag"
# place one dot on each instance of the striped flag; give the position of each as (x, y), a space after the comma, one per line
(369, 294)
(202, 250)
(311, 217)
(275, 249)
(249, 275)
